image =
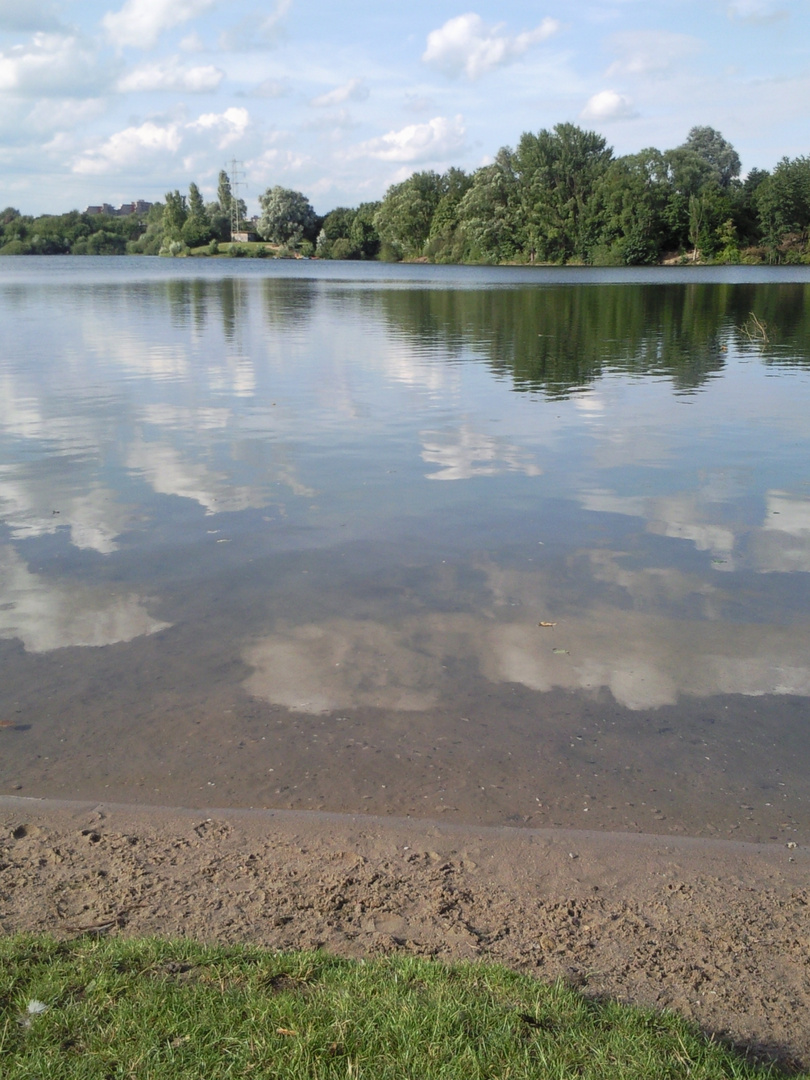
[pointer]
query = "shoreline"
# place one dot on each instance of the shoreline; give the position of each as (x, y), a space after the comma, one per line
(258, 814)
(717, 930)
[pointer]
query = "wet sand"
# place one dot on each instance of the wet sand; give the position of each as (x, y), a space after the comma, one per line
(717, 930)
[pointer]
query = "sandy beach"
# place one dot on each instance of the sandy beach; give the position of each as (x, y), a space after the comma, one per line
(717, 930)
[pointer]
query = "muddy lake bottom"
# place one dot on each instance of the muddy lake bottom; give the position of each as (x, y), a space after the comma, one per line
(506, 756)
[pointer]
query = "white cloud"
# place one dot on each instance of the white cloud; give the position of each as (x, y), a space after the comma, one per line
(681, 516)
(45, 615)
(650, 52)
(275, 160)
(466, 45)
(168, 472)
(466, 453)
(93, 519)
(170, 75)
(793, 513)
(48, 115)
(50, 64)
(782, 543)
(755, 11)
(335, 664)
(608, 105)
(135, 147)
(353, 90)
(141, 22)
(129, 147)
(229, 125)
(644, 658)
(436, 140)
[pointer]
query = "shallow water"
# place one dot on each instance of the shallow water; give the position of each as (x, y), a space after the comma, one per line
(286, 535)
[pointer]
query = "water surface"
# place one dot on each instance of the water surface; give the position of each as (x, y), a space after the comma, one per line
(290, 535)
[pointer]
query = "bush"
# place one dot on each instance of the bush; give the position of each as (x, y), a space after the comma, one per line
(343, 248)
(15, 247)
(145, 245)
(607, 255)
(173, 248)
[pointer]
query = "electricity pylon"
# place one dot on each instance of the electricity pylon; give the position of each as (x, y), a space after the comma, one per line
(236, 183)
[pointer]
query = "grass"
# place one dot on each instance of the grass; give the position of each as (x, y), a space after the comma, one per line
(150, 1010)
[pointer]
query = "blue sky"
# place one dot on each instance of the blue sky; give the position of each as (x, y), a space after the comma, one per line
(114, 100)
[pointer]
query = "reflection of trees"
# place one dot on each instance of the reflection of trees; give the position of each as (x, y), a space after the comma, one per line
(784, 311)
(190, 302)
(288, 302)
(556, 339)
(233, 304)
(178, 293)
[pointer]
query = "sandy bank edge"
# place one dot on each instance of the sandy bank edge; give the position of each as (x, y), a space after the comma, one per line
(718, 930)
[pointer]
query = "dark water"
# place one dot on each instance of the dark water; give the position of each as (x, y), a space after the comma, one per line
(285, 535)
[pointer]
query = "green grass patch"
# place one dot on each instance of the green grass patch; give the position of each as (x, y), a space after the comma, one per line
(176, 1010)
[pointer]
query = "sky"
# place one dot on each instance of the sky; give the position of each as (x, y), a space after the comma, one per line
(116, 100)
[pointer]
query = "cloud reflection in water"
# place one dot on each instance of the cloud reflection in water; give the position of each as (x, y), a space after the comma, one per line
(645, 659)
(45, 615)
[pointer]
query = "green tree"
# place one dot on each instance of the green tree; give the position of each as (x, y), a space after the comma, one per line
(557, 171)
(149, 242)
(287, 217)
(175, 214)
(626, 216)
(688, 176)
(783, 205)
(490, 219)
(224, 194)
(728, 243)
(220, 222)
(334, 239)
(719, 155)
(337, 224)
(196, 229)
(196, 206)
(363, 234)
(746, 217)
(405, 215)
(106, 242)
(445, 241)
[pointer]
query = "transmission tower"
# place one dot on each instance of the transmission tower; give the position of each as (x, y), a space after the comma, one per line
(237, 175)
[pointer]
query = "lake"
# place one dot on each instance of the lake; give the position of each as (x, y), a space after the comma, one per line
(491, 545)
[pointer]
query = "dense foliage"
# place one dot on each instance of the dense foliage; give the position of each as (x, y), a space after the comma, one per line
(67, 234)
(560, 196)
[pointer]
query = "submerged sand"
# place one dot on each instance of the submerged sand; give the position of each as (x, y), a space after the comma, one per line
(718, 931)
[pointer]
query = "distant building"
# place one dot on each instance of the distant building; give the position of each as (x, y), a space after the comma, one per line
(125, 210)
(244, 237)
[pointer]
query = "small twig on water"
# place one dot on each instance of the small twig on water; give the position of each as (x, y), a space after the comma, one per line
(755, 330)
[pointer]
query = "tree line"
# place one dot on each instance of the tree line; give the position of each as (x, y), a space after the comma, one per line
(560, 196)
